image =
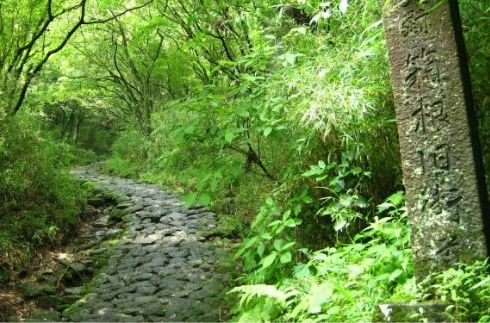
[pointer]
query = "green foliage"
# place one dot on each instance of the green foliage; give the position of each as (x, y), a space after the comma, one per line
(40, 203)
(129, 154)
(342, 283)
(476, 26)
(342, 181)
(465, 289)
(116, 215)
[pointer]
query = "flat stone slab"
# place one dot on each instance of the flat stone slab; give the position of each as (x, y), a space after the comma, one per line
(147, 239)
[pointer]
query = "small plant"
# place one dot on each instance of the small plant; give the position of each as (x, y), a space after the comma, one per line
(116, 215)
(341, 181)
(342, 283)
(465, 289)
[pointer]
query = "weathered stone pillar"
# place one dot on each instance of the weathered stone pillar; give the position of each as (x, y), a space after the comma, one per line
(442, 168)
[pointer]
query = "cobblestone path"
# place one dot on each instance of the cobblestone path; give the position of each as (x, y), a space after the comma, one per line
(163, 269)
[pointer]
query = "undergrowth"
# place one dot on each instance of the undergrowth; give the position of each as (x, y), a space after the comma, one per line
(40, 203)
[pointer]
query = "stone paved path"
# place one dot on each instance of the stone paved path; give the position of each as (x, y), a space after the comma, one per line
(162, 269)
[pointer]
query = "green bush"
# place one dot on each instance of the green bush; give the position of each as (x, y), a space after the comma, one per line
(39, 201)
(342, 283)
(129, 154)
(465, 289)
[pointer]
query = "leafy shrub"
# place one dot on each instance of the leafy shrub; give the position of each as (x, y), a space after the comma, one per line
(129, 154)
(342, 283)
(465, 289)
(39, 201)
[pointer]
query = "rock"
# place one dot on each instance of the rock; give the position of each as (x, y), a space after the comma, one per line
(139, 300)
(145, 291)
(127, 289)
(135, 208)
(102, 222)
(78, 267)
(111, 233)
(73, 291)
(144, 276)
(108, 296)
(96, 201)
(98, 251)
(152, 217)
(156, 309)
(49, 316)
(124, 205)
(159, 261)
(179, 254)
(171, 284)
(155, 272)
(148, 239)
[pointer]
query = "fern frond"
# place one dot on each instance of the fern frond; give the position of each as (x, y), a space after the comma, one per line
(248, 292)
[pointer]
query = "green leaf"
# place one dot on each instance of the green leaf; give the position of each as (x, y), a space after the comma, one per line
(288, 245)
(297, 209)
(322, 164)
(267, 131)
(291, 223)
(250, 242)
(261, 249)
(189, 198)
(278, 244)
(204, 199)
(235, 169)
(286, 257)
(397, 273)
(243, 113)
(346, 200)
(274, 223)
(301, 271)
(319, 295)
(356, 170)
(314, 170)
(266, 236)
(269, 260)
(248, 77)
(396, 198)
(213, 185)
(384, 206)
(340, 225)
(229, 136)
(190, 129)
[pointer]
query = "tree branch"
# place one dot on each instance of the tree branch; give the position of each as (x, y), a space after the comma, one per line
(101, 21)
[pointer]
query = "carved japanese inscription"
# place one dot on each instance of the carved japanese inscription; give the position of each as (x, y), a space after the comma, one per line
(443, 176)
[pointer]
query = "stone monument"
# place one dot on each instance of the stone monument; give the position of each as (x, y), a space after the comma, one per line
(442, 169)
